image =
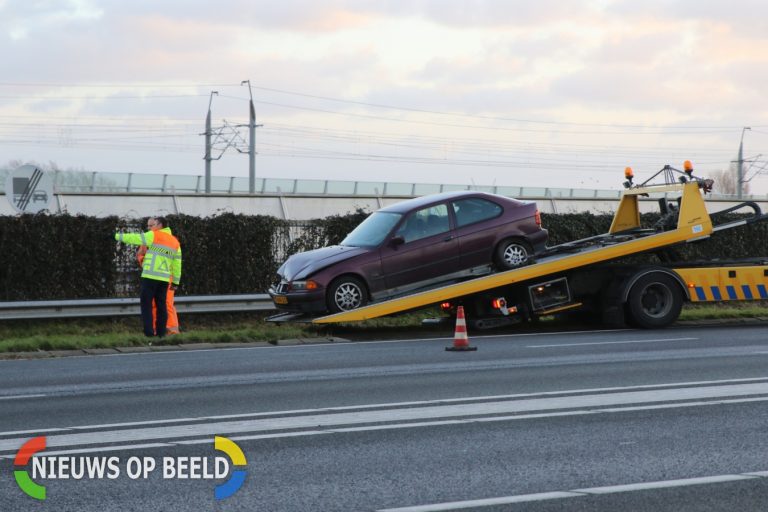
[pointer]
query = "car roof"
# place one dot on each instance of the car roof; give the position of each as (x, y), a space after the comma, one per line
(418, 202)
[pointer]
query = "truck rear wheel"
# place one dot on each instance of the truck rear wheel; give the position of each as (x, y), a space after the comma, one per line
(654, 301)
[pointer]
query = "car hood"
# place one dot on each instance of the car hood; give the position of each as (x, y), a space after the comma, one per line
(303, 264)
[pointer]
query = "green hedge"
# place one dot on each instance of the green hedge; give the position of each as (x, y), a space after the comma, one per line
(749, 241)
(227, 253)
(69, 257)
(57, 256)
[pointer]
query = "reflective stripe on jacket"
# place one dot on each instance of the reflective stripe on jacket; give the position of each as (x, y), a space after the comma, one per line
(162, 261)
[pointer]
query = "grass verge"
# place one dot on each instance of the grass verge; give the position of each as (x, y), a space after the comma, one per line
(72, 334)
(755, 309)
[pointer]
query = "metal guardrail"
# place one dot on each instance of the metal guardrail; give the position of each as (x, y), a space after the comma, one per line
(89, 308)
(76, 182)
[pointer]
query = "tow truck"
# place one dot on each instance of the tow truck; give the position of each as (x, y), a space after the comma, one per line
(591, 274)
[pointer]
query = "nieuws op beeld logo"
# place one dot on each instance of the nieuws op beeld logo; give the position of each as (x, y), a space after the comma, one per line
(28, 468)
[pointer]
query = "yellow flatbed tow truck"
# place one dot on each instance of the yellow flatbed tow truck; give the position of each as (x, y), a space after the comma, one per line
(584, 274)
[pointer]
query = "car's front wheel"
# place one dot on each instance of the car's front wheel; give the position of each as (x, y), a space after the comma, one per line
(346, 293)
(513, 253)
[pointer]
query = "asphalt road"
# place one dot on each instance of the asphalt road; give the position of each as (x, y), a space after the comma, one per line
(634, 420)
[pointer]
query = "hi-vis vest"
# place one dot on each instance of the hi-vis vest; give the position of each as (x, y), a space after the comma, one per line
(163, 258)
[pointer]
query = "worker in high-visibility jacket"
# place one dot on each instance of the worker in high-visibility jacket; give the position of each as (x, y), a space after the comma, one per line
(161, 267)
(172, 325)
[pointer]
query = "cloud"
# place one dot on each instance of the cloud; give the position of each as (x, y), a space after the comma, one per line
(596, 61)
(743, 16)
(480, 13)
(291, 15)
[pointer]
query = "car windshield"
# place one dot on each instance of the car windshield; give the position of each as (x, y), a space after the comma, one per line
(371, 231)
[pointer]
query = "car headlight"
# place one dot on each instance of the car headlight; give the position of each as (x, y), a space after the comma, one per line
(307, 285)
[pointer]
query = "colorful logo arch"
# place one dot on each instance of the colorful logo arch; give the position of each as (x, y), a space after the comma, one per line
(38, 444)
(237, 457)
(25, 482)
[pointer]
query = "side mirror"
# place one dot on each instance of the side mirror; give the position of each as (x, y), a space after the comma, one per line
(396, 241)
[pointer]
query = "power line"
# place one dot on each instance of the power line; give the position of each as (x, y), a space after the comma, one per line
(477, 116)
(368, 136)
(665, 128)
(103, 118)
(469, 126)
(527, 152)
(124, 85)
(100, 98)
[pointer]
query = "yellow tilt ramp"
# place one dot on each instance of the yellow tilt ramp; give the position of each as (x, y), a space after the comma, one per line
(693, 223)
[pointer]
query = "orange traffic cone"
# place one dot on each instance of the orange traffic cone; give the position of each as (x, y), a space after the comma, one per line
(460, 339)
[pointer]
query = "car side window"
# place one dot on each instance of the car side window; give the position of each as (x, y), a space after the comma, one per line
(425, 222)
(474, 209)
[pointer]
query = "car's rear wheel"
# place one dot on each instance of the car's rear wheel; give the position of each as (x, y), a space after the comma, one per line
(345, 294)
(513, 253)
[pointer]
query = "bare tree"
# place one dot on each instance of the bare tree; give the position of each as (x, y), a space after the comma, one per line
(725, 181)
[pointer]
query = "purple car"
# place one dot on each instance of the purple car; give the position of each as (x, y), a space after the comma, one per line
(409, 246)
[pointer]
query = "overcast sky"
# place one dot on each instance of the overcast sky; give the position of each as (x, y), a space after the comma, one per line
(534, 93)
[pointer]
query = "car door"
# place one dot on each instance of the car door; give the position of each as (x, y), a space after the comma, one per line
(427, 250)
(476, 230)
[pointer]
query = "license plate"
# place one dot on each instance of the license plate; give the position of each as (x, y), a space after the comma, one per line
(280, 299)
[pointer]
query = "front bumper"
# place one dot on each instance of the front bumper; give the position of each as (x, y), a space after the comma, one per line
(303, 301)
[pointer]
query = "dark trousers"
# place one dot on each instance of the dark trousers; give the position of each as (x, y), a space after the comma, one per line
(153, 290)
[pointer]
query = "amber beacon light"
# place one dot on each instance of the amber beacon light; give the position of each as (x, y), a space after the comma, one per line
(629, 175)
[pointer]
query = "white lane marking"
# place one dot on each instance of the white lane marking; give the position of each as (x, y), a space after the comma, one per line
(264, 436)
(576, 493)
(491, 336)
(610, 342)
(487, 502)
(665, 484)
(452, 411)
(399, 426)
(394, 405)
(336, 344)
(131, 424)
(36, 431)
(757, 473)
(20, 397)
(106, 449)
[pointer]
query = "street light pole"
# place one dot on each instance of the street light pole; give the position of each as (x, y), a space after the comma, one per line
(740, 164)
(251, 142)
(208, 133)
